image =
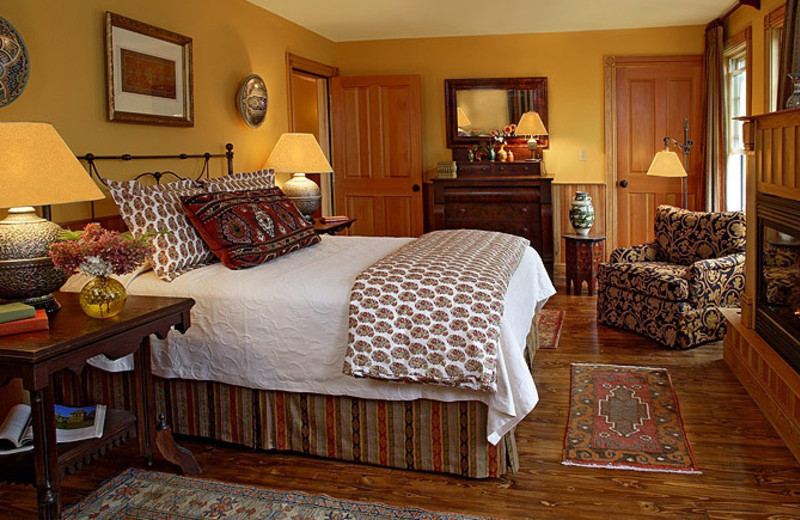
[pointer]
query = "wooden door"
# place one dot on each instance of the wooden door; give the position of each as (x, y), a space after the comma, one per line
(377, 153)
(654, 96)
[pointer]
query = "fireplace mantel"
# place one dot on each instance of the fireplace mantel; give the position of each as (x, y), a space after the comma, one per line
(773, 169)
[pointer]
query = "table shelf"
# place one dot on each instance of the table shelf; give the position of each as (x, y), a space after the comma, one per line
(120, 425)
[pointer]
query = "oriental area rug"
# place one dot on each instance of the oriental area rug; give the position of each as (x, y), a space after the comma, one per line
(549, 327)
(624, 417)
(138, 494)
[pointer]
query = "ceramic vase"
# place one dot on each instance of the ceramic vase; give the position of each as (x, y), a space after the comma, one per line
(794, 99)
(102, 297)
(581, 213)
(502, 155)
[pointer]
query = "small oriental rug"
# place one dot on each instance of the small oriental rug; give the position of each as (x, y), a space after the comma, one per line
(549, 326)
(624, 417)
(138, 494)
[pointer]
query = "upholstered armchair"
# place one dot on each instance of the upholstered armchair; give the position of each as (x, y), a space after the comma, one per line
(672, 289)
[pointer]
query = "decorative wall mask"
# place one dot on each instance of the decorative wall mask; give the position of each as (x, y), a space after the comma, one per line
(14, 64)
(253, 101)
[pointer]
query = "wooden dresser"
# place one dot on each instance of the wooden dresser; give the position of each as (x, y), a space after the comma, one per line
(511, 197)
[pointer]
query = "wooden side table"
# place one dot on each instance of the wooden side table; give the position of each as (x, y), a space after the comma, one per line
(583, 254)
(73, 338)
(331, 228)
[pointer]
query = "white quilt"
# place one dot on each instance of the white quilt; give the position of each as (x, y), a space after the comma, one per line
(283, 326)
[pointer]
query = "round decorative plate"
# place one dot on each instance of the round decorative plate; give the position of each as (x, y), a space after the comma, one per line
(253, 100)
(14, 64)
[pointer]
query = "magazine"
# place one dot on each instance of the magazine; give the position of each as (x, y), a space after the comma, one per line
(16, 432)
(79, 423)
(72, 424)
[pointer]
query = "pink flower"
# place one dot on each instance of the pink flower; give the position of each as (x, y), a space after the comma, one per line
(101, 251)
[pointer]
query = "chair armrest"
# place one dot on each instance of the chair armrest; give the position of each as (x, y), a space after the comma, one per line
(717, 281)
(648, 252)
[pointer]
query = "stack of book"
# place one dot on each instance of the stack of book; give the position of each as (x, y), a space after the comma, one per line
(333, 219)
(17, 317)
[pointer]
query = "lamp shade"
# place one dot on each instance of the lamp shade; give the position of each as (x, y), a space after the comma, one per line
(666, 164)
(295, 153)
(38, 168)
(531, 124)
(463, 120)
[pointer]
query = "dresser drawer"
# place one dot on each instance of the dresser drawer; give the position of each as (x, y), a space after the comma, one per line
(521, 229)
(516, 168)
(473, 169)
(477, 211)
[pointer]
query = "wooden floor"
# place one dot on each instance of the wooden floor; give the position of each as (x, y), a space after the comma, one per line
(748, 473)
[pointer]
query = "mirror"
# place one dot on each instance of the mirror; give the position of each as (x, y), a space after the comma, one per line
(476, 107)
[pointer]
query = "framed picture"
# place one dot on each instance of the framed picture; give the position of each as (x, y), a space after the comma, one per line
(148, 73)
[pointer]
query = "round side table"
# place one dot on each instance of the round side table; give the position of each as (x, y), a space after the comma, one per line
(583, 253)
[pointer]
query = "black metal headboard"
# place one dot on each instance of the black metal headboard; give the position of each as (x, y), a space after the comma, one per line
(90, 159)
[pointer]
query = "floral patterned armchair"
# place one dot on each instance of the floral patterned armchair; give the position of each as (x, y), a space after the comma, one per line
(672, 289)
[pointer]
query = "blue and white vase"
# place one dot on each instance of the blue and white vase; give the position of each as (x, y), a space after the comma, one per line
(581, 213)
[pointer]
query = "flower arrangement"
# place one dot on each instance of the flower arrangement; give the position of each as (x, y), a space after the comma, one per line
(501, 135)
(100, 252)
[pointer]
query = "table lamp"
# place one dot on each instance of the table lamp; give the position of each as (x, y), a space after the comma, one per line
(37, 168)
(531, 124)
(299, 154)
(463, 120)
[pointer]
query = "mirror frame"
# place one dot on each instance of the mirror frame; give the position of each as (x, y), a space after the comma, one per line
(451, 86)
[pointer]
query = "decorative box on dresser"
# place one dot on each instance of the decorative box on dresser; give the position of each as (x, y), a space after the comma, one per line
(511, 197)
(762, 345)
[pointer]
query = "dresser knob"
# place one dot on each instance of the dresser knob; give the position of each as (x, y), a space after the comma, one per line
(524, 210)
(461, 211)
(525, 230)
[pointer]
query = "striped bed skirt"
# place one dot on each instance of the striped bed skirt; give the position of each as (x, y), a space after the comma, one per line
(420, 435)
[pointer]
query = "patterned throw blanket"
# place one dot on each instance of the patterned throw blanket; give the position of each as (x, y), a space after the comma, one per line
(430, 312)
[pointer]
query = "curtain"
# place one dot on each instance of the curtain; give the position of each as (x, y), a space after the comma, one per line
(790, 50)
(519, 102)
(715, 118)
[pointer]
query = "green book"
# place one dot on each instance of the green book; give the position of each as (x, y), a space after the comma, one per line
(15, 311)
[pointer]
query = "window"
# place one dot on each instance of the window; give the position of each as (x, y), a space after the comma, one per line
(773, 38)
(736, 60)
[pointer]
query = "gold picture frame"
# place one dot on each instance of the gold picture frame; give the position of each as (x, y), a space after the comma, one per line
(149, 76)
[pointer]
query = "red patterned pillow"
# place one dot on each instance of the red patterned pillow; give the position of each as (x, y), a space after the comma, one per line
(248, 228)
(260, 180)
(158, 208)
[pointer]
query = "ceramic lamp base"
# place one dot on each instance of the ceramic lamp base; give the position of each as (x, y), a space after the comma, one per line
(27, 273)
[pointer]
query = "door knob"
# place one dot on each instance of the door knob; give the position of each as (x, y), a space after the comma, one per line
(623, 184)
(415, 188)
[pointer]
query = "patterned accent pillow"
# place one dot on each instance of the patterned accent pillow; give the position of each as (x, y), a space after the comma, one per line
(259, 180)
(687, 236)
(249, 228)
(158, 208)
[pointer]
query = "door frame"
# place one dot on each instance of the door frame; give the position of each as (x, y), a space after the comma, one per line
(611, 63)
(295, 63)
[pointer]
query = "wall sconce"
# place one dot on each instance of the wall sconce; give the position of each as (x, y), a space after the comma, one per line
(667, 164)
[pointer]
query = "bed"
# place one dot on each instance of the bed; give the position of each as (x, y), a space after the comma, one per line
(261, 366)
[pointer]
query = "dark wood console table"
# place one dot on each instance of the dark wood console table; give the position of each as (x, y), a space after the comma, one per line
(73, 338)
(501, 196)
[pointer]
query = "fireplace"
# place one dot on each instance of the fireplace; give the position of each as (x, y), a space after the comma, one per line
(762, 345)
(777, 317)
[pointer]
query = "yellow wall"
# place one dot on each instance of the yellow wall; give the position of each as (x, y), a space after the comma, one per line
(572, 62)
(754, 18)
(232, 39)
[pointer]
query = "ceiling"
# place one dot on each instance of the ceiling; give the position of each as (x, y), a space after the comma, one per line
(352, 20)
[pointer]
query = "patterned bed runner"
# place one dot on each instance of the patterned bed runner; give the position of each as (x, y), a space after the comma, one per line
(430, 312)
